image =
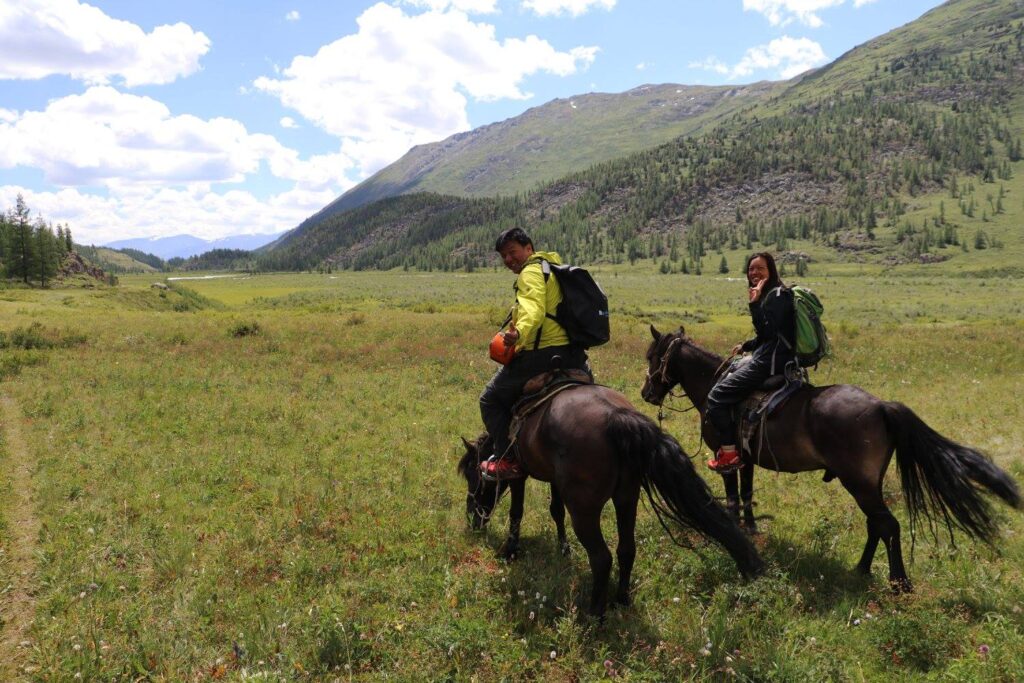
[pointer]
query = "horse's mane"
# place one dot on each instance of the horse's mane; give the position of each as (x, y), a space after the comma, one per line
(464, 463)
(710, 356)
(472, 455)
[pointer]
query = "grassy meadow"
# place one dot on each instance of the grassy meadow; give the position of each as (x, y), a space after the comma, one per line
(254, 478)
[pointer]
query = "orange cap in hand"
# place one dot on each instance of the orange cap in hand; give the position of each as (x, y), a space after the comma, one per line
(500, 352)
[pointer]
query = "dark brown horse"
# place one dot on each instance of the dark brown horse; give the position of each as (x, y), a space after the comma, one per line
(593, 446)
(852, 435)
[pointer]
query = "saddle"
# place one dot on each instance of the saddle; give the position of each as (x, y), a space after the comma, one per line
(540, 389)
(752, 413)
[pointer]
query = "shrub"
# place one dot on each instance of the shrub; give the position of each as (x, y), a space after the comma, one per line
(245, 329)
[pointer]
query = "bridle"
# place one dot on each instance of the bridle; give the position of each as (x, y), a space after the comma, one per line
(661, 373)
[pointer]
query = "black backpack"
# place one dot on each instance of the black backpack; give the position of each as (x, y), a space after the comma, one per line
(583, 311)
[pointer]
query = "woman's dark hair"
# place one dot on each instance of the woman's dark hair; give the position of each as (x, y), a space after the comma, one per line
(513, 235)
(773, 273)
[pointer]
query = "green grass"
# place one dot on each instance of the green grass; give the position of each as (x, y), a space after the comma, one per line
(284, 503)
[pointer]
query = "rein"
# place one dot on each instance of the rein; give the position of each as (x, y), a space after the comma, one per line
(662, 374)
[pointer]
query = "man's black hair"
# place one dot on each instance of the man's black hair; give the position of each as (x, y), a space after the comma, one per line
(512, 235)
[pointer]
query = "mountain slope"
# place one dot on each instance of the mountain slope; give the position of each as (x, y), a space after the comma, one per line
(913, 138)
(546, 142)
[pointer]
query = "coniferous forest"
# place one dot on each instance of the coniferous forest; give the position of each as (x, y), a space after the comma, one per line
(31, 251)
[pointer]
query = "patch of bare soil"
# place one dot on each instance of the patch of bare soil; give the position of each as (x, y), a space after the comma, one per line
(17, 601)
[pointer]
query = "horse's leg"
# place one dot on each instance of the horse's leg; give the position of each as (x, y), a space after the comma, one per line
(625, 517)
(747, 496)
(882, 525)
(509, 550)
(864, 566)
(587, 525)
(732, 494)
(557, 509)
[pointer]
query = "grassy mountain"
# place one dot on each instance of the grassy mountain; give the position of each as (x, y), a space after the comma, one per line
(907, 148)
(120, 261)
(549, 141)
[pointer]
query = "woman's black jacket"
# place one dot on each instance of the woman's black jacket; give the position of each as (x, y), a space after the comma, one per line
(775, 323)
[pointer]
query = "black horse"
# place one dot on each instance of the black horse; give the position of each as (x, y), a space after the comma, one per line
(852, 435)
(593, 446)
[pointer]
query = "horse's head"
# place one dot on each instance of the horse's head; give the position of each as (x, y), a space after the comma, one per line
(481, 495)
(659, 380)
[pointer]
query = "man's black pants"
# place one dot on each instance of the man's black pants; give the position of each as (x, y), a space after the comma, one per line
(506, 387)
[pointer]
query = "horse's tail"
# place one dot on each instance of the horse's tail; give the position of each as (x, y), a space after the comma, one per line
(675, 489)
(943, 479)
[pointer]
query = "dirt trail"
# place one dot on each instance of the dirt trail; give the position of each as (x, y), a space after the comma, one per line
(17, 603)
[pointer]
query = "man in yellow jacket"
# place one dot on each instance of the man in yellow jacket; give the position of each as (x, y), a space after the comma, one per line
(537, 338)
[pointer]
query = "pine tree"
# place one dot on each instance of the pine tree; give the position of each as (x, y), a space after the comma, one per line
(46, 252)
(22, 246)
(723, 266)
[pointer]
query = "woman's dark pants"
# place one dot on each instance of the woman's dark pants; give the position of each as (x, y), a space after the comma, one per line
(733, 389)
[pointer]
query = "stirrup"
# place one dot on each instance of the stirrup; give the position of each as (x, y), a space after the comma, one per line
(717, 465)
(500, 469)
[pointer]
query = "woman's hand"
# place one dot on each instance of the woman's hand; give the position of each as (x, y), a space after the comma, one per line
(737, 350)
(755, 291)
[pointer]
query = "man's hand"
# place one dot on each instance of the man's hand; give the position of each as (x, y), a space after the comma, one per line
(736, 350)
(511, 335)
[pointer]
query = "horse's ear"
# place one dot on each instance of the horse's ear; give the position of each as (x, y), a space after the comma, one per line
(467, 444)
(655, 334)
(682, 332)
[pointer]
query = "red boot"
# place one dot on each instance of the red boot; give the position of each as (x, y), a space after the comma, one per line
(725, 461)
(494, 469)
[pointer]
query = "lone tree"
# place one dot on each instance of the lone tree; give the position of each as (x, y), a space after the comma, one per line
(723, 267)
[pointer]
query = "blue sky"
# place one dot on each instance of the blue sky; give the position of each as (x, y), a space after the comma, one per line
(221, 117)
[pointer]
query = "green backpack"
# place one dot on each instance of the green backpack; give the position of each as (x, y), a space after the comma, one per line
(812, 343)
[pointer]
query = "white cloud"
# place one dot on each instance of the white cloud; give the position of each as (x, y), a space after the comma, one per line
(117, 140)
(467, 6)
(786, 56)
(40, 38)
(641, 66)
(545, 8)
(293, 15)
(710, 64)
(404, 80)
(158, 212)
(288, 122)
(784, 12)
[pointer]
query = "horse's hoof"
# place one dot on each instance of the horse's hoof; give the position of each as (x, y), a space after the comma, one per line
(901, 585)
(623, 601)
(565, 549)
(508, 554)
(751, 529)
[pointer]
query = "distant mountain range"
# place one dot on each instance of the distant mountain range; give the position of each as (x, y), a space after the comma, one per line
(184, 246)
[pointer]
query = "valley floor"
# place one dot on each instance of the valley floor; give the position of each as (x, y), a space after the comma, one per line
(255, 476)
